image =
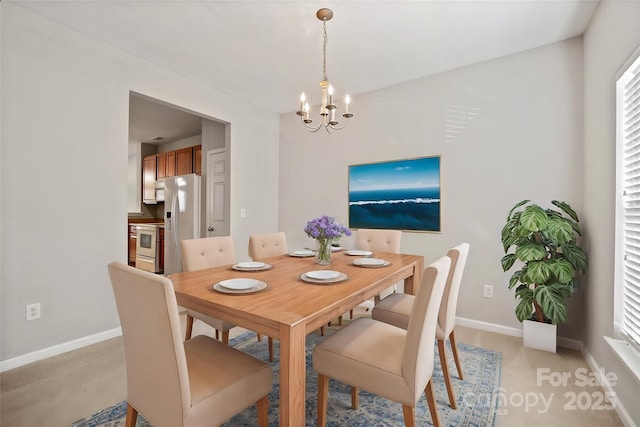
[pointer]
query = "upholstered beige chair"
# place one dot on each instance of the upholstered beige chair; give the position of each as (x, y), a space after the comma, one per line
(267, 245)
(208, 252)
(396, 310)
(175, 383)
(383, 359)
(264, 246)
(376, 240)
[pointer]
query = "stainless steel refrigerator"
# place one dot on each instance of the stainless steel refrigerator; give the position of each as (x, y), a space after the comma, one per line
(181, 217)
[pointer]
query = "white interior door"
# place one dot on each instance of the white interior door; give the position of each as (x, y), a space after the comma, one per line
(217, 195)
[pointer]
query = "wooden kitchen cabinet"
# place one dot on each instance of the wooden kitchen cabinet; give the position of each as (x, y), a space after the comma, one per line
(161, 165)
(197, 159)
(149, 178)
(184, 161)
(133, 238)
(171, 164)
(161, 250)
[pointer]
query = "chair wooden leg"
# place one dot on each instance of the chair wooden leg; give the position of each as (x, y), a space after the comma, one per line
(454, 348)
(132, 416)
(225, 337)
(270, 342)
(339, 320)
(218, 335)
(322, 330)
(323, 392)
(409, 413)
(263, 411)
(187, 335)
(259, 336)
(354, 397)
(445, 372)
(431, 401)
(351, 314)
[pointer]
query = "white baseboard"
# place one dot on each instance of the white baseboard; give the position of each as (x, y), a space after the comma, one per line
(56, 350)
(514, 332)
(604, 382)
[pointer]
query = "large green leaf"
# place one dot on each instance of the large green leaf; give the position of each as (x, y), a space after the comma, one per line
(560, 230)
(566, 208)
(562, 269)
(534, 218)
(576, 256)
(507, 261)
(538, 272)
(530, 252)
(517, 205)
(515, 279)
(524, 309)
(509, 241)
(552, 302)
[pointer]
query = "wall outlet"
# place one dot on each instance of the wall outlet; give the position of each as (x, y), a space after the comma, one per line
(488, 291)
(243, 212)
(33, 311)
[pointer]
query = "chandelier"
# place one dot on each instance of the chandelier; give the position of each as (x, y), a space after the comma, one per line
(327, 108)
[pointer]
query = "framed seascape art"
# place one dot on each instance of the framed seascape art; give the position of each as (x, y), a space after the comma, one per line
(398, 194)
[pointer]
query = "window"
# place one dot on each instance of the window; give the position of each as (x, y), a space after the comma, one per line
(627, 305)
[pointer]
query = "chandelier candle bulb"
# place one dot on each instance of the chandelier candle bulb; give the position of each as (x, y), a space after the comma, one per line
(347, 101)
(302, 99)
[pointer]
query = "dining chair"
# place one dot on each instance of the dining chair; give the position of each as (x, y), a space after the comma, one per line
(376, 240)
(395, 309)
(383, 359)
(175, 383)
(263, 246)
(267, 245)
(208, 252)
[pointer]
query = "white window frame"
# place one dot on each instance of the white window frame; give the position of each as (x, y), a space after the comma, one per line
(626, 340)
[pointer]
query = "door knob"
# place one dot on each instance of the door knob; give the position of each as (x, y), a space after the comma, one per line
(211, 229)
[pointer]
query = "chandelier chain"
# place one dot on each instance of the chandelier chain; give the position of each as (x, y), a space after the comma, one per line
(324, 51)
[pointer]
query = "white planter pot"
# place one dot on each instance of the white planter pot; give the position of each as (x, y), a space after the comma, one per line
(541, 336)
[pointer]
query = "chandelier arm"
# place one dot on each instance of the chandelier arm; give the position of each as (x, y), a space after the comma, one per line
(312, 129)
(338, 128)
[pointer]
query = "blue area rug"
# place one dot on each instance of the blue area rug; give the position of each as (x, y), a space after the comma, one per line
(476, 395)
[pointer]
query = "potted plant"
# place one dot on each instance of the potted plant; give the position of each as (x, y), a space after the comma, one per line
(544, 245)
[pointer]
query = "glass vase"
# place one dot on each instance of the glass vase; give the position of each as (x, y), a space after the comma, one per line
(323, 251)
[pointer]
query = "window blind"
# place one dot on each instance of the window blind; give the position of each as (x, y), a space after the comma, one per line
(628, 94)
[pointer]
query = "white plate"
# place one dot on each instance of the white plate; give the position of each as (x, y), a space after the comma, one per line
(358, 253)
(302, 253)
(341, 277)
(336, 248)
(369, 262)
(322, 274)
(242, 267)
(218, 287)
(250, 264)
(239, 283)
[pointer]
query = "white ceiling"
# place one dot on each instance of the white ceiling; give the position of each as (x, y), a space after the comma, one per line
(267, 52)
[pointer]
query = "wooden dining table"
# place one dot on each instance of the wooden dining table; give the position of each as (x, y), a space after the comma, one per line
(289, 307)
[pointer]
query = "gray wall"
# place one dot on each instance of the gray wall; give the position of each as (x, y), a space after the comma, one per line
(64, 180)
(612, 36)
(524, 142)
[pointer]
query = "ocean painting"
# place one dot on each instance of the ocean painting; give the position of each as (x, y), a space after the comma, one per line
(400, 195)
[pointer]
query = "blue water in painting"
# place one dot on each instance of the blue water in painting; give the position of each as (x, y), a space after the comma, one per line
(404, 209)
